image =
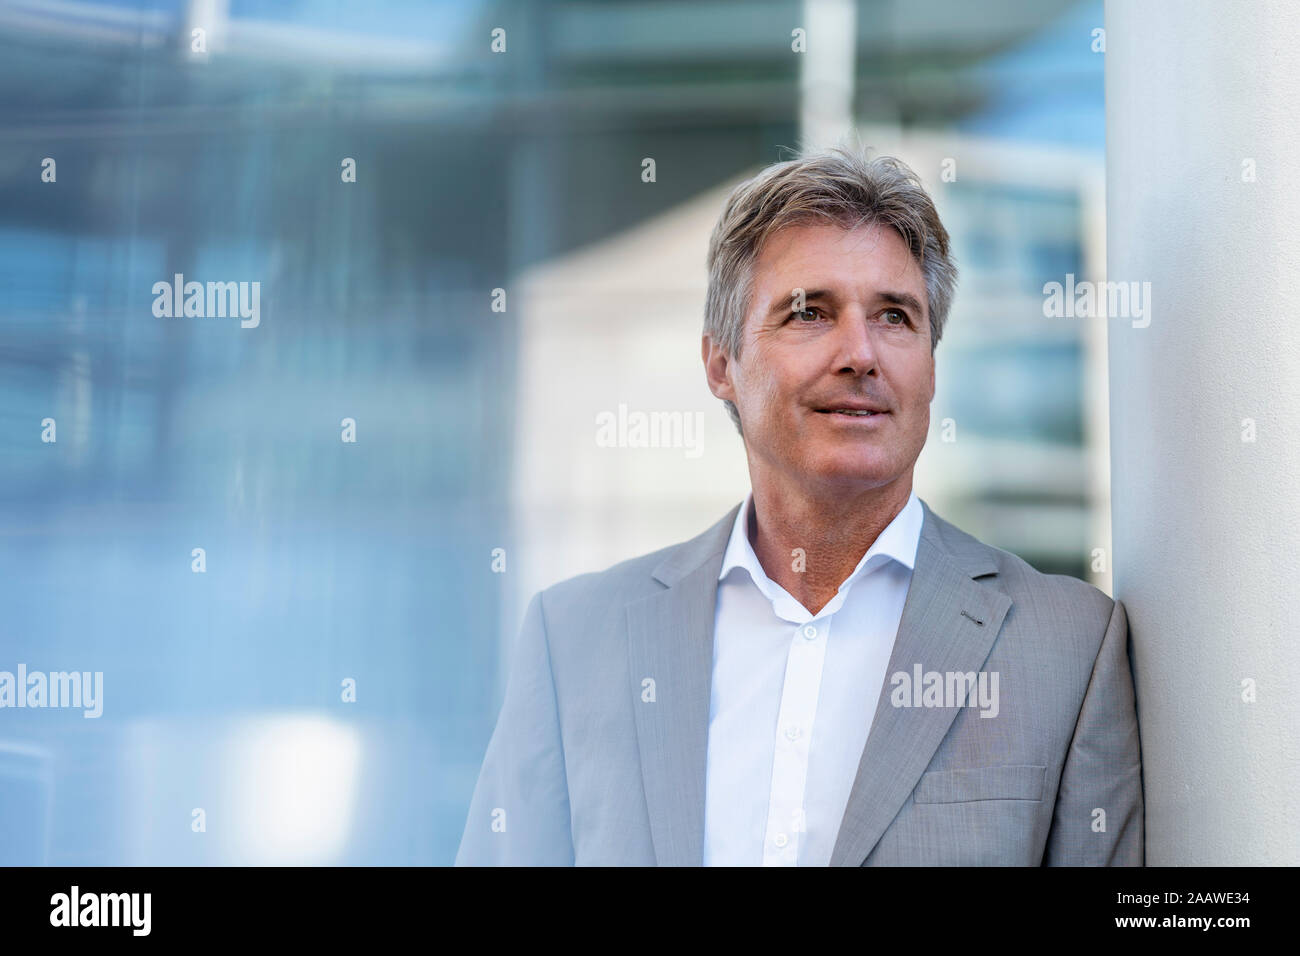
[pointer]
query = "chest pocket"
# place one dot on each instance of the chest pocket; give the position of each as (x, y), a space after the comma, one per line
(1019, 782)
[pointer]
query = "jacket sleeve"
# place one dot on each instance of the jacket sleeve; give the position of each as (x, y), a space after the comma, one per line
(519, 814)
(1103, 769)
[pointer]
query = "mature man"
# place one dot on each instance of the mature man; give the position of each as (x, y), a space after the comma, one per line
(832, 673)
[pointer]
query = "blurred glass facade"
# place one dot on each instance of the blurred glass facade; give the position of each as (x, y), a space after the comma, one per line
(225, 737)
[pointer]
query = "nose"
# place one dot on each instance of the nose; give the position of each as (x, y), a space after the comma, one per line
(855, 344)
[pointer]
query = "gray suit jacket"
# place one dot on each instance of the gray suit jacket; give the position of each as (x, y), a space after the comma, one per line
(585, 768)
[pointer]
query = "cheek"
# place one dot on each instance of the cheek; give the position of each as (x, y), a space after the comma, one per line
(922, 378)
(915, 396)
(923, 399)
(765, 383)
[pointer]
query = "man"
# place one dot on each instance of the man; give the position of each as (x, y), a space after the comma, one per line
(831, 674)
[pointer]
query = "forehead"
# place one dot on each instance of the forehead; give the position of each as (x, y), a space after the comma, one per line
(859, 261)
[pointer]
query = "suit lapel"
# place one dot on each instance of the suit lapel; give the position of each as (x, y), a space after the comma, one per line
(949, 623)
(670, 642)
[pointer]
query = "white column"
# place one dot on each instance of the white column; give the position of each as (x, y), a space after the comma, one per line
(826, 72)
(1203, 202)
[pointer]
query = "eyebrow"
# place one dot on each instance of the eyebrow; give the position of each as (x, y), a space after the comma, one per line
(782, 303)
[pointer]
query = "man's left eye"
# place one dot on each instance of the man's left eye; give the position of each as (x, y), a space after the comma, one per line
(902, 317)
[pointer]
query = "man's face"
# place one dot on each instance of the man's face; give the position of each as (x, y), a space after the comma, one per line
(861, 342)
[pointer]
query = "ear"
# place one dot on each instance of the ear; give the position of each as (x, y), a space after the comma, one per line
(717, 369)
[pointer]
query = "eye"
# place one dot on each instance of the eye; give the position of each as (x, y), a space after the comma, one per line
(902, 317)
(813, 313)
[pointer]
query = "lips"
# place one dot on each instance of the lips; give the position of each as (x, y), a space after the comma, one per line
(857, 409)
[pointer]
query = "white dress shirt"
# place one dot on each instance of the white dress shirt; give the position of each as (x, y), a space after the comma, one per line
(793, 698)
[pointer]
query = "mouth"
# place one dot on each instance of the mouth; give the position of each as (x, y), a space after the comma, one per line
(853, 412)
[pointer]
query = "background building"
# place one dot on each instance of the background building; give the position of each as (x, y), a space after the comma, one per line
(372, 561)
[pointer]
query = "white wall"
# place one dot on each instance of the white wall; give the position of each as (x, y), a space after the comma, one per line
(1206, 525)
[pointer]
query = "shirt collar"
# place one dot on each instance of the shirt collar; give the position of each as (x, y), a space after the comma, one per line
(897, 542)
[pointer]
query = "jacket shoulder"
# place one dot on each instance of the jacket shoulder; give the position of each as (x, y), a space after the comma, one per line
(634, 578)
(618, 584)
(1060, 600)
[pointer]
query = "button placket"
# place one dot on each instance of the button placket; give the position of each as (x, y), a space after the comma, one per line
(799, 694)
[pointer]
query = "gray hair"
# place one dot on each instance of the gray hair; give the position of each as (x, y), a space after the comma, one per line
(836, 185)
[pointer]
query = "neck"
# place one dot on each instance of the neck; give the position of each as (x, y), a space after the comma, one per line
(834, 529)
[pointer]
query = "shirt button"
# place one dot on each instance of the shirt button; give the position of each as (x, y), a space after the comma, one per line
(810, 632)
(792, 732)
(781, 839)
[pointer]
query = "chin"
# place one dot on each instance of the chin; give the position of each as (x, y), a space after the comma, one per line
(851, 467)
